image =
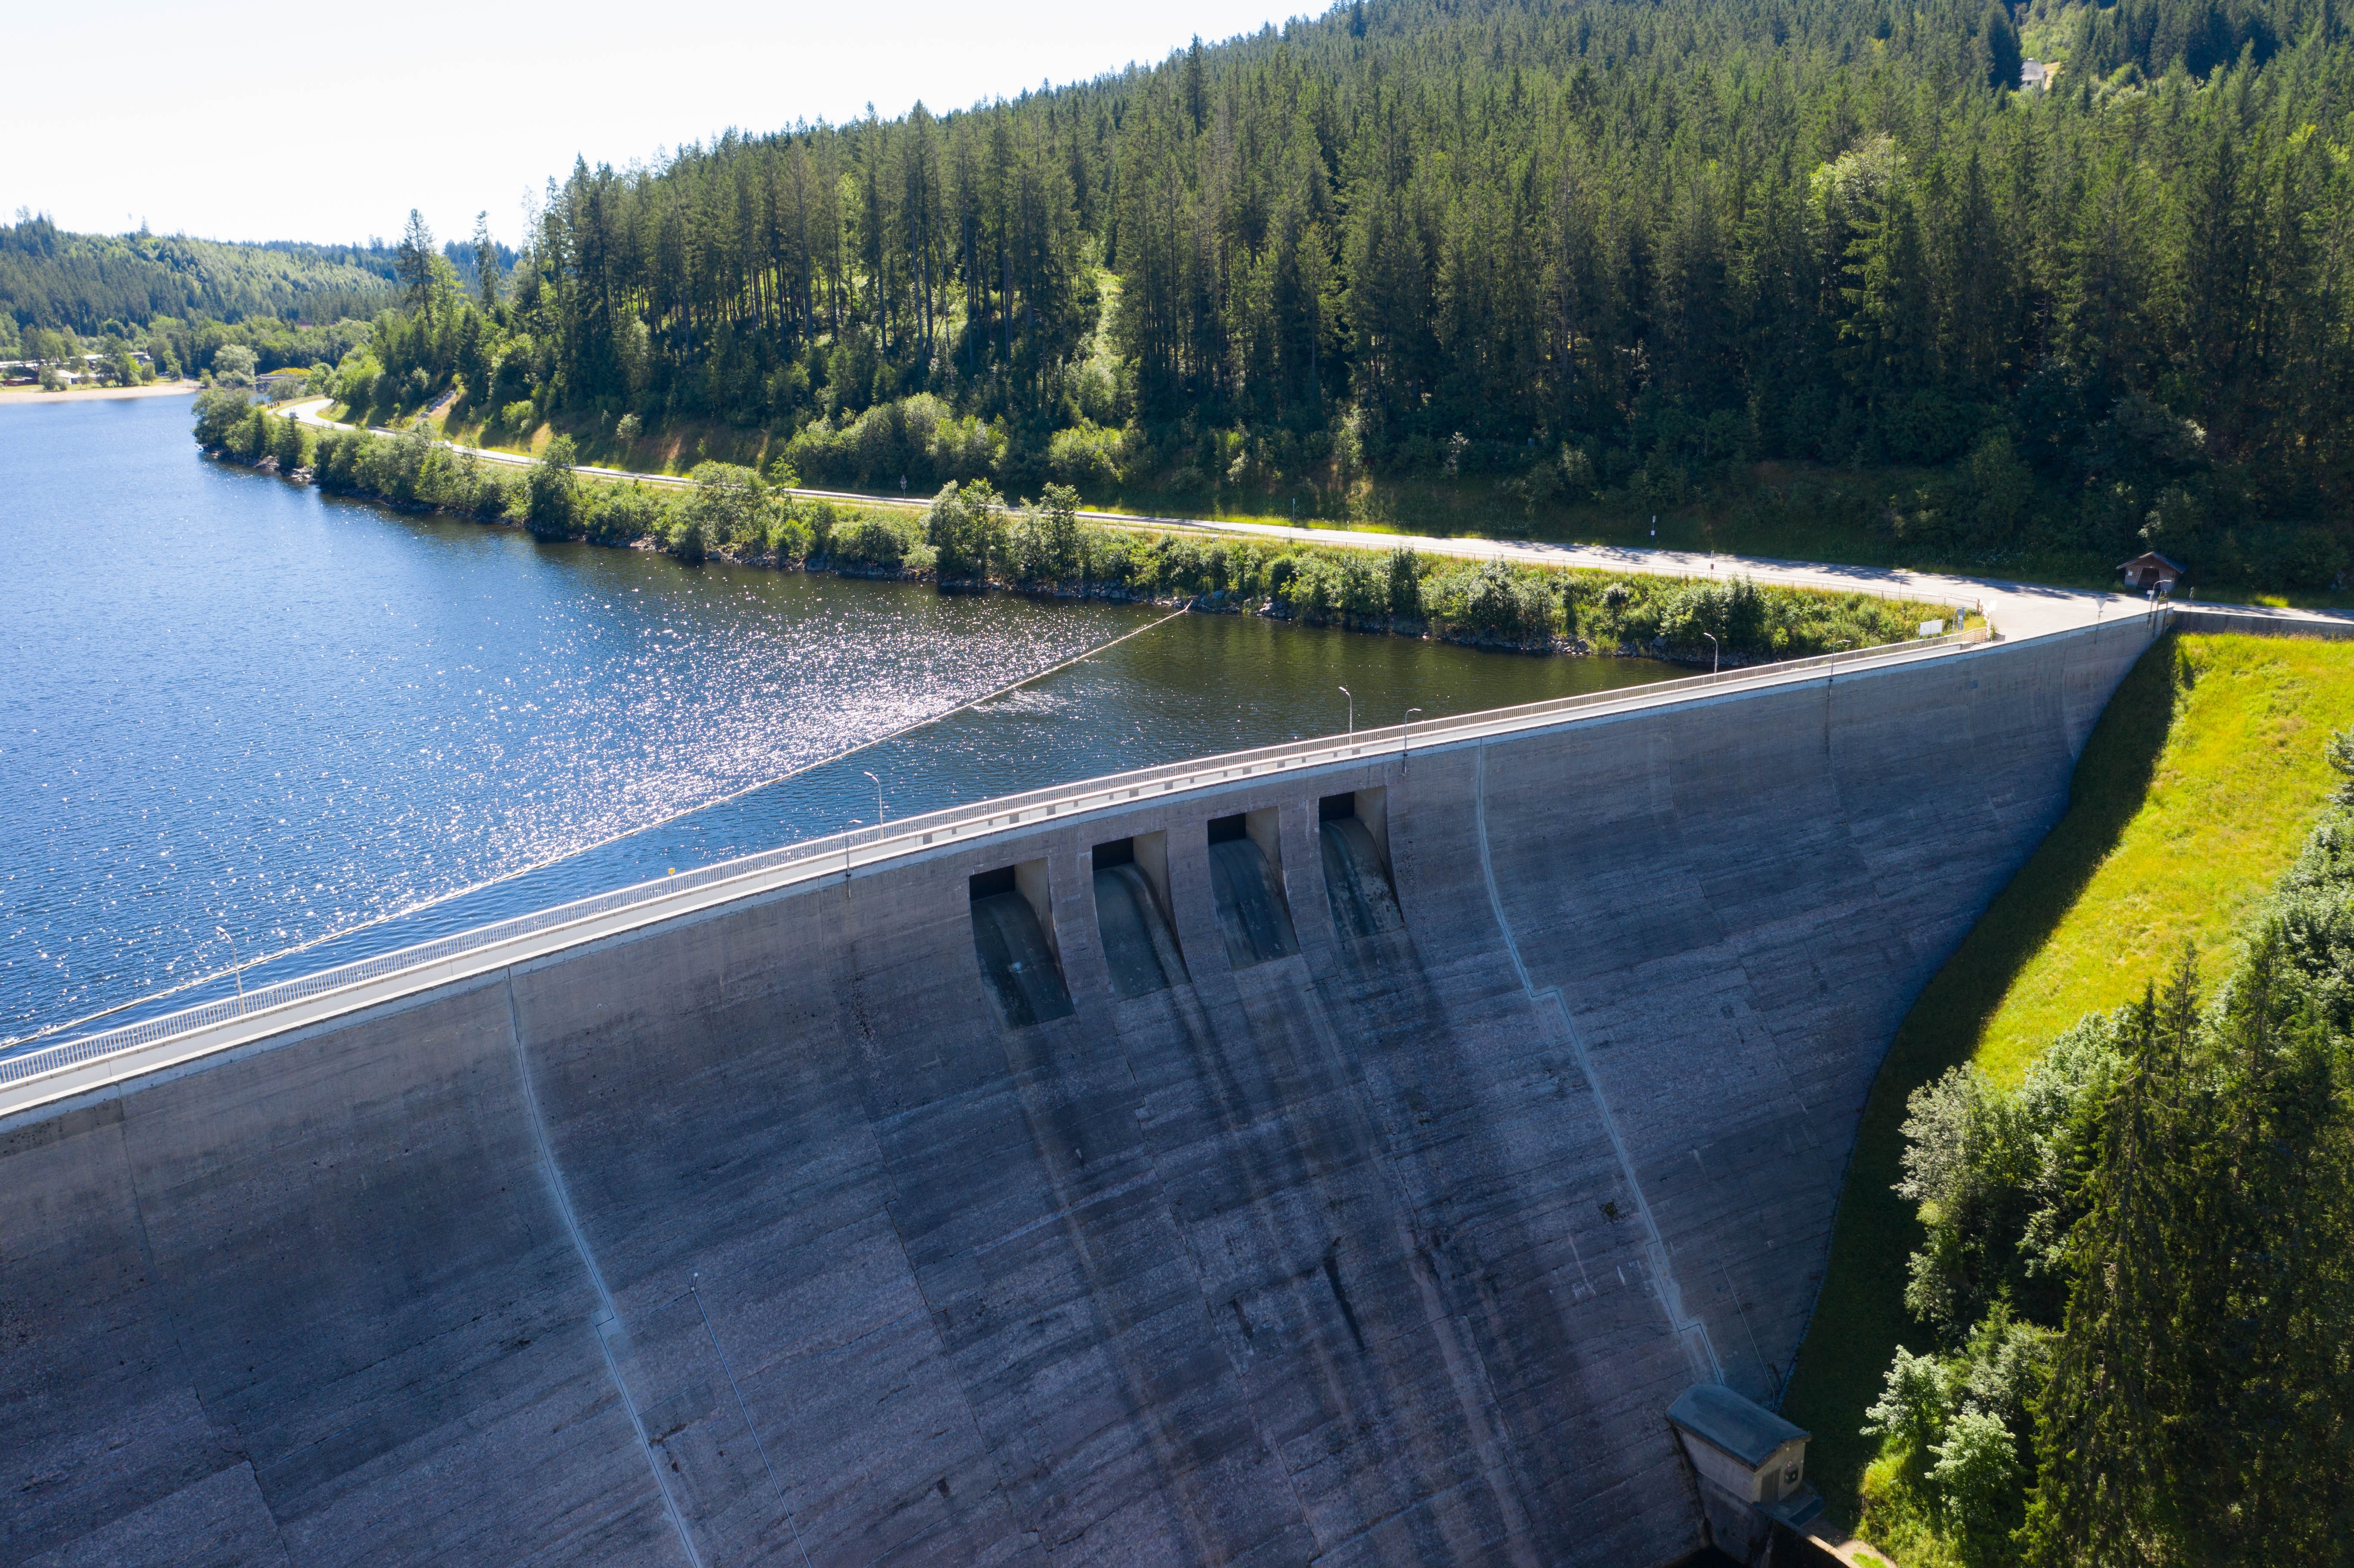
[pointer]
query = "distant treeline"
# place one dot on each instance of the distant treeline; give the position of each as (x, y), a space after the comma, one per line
(80, 283)
(193, 346)
(181, 300)
(1579, 247)
(970, 537)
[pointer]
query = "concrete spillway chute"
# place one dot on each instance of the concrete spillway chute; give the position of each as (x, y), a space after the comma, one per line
(1246, 878)
(1356, 871)
(1133, 916)
(1012, 930)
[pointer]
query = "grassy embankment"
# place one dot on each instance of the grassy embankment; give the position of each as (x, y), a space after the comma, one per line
(1782, 511)
(2193, 795)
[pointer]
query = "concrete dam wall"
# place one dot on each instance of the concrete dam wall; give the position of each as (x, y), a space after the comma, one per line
(1391, 1144)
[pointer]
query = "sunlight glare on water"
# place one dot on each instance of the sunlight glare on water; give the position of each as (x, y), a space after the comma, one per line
(239, 711)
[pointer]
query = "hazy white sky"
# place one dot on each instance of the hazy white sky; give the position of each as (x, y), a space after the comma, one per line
(244, 121)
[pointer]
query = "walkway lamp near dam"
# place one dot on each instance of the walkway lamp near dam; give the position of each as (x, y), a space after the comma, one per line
(878, 799)
(1405, 738)
(1353, 711)
(845, 846)
(1715, 653)
(234, 968)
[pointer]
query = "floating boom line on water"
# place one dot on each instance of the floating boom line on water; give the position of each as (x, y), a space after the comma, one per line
(15, 1041)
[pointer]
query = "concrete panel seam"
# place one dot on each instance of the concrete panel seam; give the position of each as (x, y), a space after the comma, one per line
(1671, 1293)
(744, 1409)
(916, 1278)
(171, 1317)
(610, 1324)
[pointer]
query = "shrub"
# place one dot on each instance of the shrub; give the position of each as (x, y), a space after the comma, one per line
(1734, 612)
(220, 409)
(1977, 1468)
(1084, 455)
(496, 497)
(1183, 565)
(1310, 589)
(554, 491)
(233, 365)
(395, 469)
(1280, 578)
(1404, 569)
(1491, 603)
(625, 513)
(1111, 560)
(789, 540)
(727, 504)
(1363, 587)
(966, 525)
(870, 540)
(690, 536)
(1915, 1401)
(919, 438)
(1043, 544)
(820, 518)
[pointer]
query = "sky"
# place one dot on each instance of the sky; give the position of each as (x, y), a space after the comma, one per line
(241, 120)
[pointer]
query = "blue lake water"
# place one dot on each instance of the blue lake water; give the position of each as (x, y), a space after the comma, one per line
(240, 717)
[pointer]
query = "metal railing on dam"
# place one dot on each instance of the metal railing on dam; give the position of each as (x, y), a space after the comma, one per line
(40, 1077)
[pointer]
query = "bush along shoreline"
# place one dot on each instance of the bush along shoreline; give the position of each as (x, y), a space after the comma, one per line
(970, 539)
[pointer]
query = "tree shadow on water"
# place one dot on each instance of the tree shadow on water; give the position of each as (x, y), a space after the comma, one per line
(1861, 1319)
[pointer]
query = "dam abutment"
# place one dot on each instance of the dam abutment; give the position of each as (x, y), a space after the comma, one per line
(770, 1234)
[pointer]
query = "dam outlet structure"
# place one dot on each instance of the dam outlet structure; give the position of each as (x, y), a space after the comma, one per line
(1339, 1153)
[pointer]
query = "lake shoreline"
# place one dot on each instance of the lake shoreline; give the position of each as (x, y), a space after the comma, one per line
(28, 395)
(1213, 602)
(1529, 610)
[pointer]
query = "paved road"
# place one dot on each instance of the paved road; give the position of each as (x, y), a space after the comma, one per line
(2016, 610)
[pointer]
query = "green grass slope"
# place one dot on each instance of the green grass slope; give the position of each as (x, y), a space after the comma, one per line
(2192, 796)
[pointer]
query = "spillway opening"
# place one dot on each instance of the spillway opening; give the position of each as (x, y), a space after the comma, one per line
(1246, 882)
(1014, 936)
(1353, 830)
(1132, 889)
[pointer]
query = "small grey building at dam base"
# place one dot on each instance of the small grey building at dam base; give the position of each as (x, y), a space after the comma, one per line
(1347, 1161)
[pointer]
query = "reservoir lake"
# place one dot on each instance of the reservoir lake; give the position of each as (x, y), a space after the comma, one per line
(242, 722)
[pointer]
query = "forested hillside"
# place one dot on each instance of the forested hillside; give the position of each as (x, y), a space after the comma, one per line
(78, 282)
(1571, 250)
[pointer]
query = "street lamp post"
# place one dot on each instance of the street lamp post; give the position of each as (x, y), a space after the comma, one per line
(1353, 711)
(878, 799)
(1715, 653)
(845, 847)
(1405, 741)
(236, 966)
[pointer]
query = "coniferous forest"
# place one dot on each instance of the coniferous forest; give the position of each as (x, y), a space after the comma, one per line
(53, 279)
(1576, 250)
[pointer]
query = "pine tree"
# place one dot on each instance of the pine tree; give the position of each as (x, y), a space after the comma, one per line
(2101, 1441)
